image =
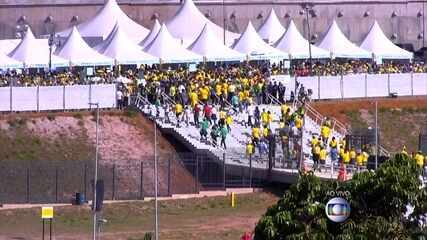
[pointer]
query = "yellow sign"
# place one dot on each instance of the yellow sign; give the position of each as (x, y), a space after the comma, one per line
(47, 212)
(233, 200)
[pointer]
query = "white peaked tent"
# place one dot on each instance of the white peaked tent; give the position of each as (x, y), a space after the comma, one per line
(271, 30)
(339, 46)
(153, 33)
(212, 49)
(34, 54)
(189, 21)
(381, 47)
(7, 45)
(100, 26)
(296, 45)
(123, 50)
(169, 50)
(78, 53)
(9, 63)
(251, 44)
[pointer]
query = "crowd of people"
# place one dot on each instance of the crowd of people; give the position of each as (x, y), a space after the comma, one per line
(78, 75)
(335, 67)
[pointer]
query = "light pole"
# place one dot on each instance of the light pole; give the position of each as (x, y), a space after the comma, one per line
(307, 10)
(156, 207)
(376, 134)
(96, 170)
(224, 18)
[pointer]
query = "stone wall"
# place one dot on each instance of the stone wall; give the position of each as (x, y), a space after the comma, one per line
(401, 19)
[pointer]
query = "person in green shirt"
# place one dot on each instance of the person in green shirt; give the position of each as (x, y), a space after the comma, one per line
(204, 130)
(223, 133)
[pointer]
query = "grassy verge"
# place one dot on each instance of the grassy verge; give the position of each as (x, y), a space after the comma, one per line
(206, 218)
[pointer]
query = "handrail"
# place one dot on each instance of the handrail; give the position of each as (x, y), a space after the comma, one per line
(273, 99)
(168, 99)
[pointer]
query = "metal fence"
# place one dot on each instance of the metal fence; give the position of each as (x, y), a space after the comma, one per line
(52, 98)
(58, 182)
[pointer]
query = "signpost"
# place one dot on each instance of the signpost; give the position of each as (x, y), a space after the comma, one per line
(47, 214)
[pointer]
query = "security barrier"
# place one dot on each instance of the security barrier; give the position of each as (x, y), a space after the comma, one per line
(44, 98)
(364, 85)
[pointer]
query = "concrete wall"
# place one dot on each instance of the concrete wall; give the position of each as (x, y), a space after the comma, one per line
(407, 24)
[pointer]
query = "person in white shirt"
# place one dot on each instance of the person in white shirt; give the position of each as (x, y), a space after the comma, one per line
(250, 115)
(119, 99)
(187, 112)
(214, 113)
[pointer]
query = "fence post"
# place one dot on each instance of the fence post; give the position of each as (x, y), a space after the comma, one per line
(85, 180)
(56, 184)
(223, 171)
(250, 170)
(169, 177)
(141, 186)
(10, 97)
(90, 95)
(38, 98)
(342, 86)
(412, 83)
(197, 174)
(318, 87)
(28, 185)
(388, 83)
(114, 183)
(63, 98)
(366, 85)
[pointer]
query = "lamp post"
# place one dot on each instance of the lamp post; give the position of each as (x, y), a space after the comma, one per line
(376, 135)
(224, 19)
(95, 222)
(156, 205)
(307, 10)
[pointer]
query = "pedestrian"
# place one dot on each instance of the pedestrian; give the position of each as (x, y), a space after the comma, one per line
(187, 112)
(214, 134)
(204, 130)
(178, 113)
(196, 114)
(224, 132)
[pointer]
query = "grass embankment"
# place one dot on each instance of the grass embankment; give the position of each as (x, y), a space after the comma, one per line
(206, 218)
(400, 120)
(20, 142)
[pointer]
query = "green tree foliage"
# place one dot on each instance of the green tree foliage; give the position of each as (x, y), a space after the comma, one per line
(378, 202)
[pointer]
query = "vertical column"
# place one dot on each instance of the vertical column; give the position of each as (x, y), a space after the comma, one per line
(412, 83)
(38, 98)
(63, 98)
(366, 85)
(141, 183)
(223, 171)
(114, 183)
(318, 87)
(28, 185)
(169, 177)
(388, 84)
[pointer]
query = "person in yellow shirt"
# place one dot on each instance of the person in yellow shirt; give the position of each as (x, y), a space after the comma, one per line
(284, 109)
(256, 134)
(314, 141)
(298, 122)
(178, 113)
(265, 132)
(193, 99)
(419, 159)
(322, 157)
(359, 160)
(249, 149)
(316, 156)
(269, 118)
(325, 132)
(365, 158)
(346, 157)
(229, 121)
(264, 118)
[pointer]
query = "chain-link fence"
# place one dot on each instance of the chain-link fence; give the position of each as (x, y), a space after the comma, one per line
(58, 182)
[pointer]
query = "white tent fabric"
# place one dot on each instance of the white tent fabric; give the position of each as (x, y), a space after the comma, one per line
(34, 54)
(188, 22)
(9, 63)
(251, 44)
(7, 45)
(296, 45)
(381, 47)
(78, 53)
(211, 48)
(153, 33)
(169, 50)
(339, 46)
(271, 30)
(101, 25)
(119, 47)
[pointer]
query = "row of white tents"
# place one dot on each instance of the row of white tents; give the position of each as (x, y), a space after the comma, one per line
(111, 37)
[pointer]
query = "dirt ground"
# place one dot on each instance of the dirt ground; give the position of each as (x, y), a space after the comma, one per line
(400, 119)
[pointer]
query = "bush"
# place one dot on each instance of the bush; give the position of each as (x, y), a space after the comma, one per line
(132, 112)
